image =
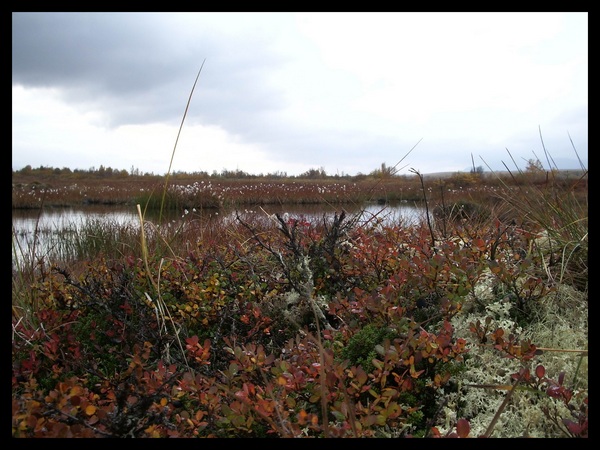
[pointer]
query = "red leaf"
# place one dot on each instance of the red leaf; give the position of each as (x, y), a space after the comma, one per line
(192, 341)
(463, 428)
(540, 371)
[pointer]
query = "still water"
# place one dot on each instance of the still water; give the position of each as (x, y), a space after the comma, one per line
(41, 227)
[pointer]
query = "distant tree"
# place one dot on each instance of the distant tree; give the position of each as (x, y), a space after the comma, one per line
(314, 173)
(534, 165)
(274, 175)
(26, 170)
(461, 179)
(43, 170)
(383, 172)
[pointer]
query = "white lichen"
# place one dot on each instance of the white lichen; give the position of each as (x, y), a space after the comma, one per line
(560, 321)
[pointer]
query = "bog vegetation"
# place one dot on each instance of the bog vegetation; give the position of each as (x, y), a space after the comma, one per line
(472, 323)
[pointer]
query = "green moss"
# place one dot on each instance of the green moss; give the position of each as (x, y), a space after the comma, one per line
(361, 351)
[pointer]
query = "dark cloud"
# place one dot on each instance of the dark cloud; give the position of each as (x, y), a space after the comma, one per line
(113, 52)
(140, 68)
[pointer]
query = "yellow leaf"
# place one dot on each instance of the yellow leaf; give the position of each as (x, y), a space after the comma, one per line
(90, 410)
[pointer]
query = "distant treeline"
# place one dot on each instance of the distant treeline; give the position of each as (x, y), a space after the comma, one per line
(109, 172)
(533, 171)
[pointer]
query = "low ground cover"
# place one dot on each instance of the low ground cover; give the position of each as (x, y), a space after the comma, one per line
(473, 324)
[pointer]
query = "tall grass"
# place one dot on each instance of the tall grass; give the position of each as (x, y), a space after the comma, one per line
(559, 208)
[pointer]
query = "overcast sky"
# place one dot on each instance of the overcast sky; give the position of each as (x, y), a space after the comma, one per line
(289, 92)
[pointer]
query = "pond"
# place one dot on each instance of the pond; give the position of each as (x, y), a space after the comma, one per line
(40, 228)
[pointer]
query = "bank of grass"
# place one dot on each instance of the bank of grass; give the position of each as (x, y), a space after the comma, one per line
(188, 191)
(562, 214)
(208, 193)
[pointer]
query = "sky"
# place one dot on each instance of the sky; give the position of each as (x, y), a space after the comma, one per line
(291, 92)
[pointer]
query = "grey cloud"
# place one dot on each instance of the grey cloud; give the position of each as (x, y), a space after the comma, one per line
(140, 68)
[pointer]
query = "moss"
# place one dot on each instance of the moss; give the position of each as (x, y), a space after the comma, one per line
(361, 347)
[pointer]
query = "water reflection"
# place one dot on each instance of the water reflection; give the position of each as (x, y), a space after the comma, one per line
(40, 227)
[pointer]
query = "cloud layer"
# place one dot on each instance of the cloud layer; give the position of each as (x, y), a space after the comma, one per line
(289, 92)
